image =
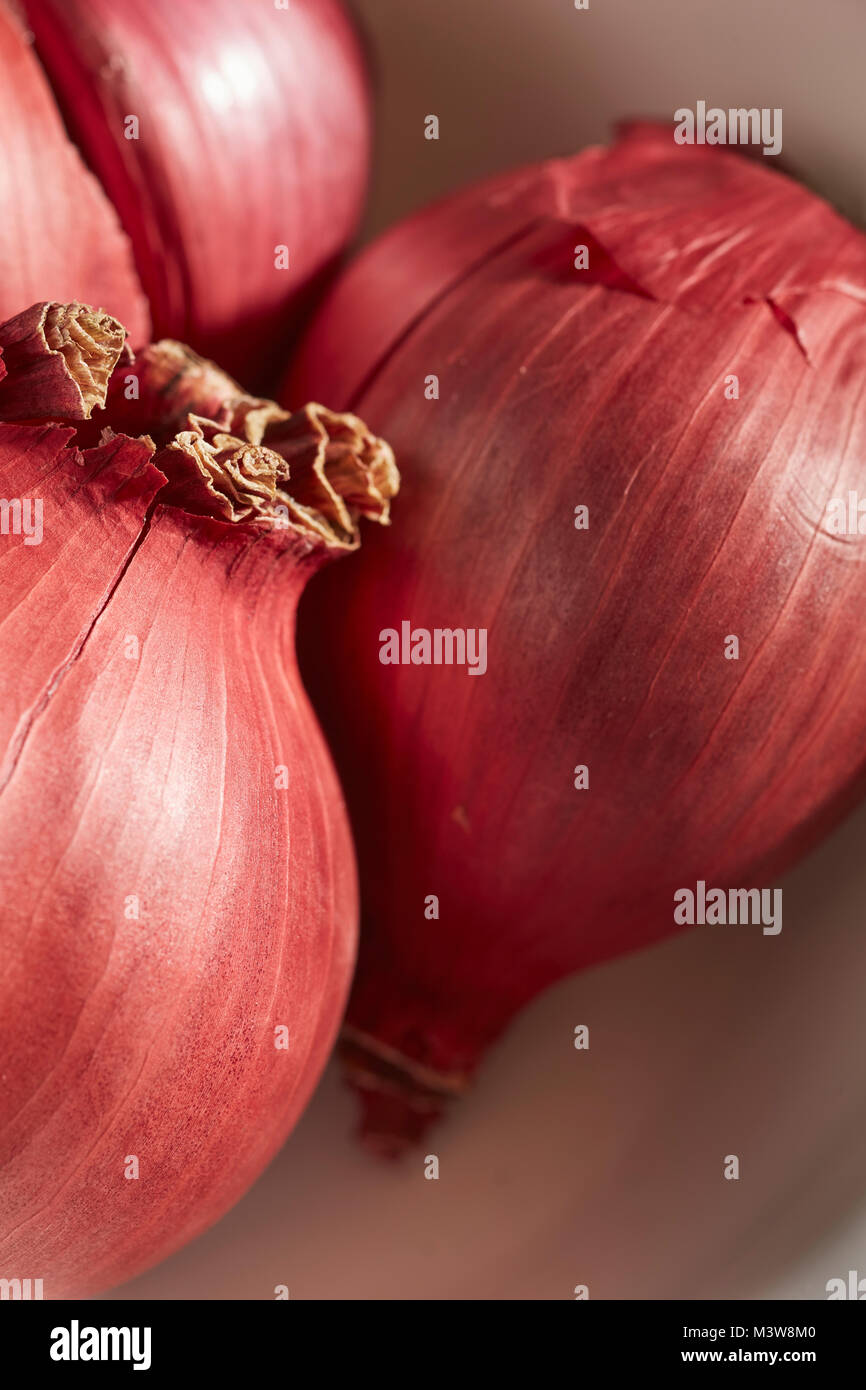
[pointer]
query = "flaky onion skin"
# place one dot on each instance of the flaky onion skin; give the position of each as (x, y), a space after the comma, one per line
(178, 891)
(695, 380)
(233, 139)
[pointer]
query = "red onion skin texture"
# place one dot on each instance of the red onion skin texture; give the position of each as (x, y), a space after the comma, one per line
(177, 877)
(606, 388)
(59, 237)
(253, 134)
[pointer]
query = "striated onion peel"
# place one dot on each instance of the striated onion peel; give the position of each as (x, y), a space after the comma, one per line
(177, 884)
(59, 235)
(699, 388)
(232, 139)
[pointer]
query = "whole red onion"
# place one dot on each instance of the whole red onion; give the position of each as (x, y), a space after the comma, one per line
(672, 338)
(177, 883)
(232, 138)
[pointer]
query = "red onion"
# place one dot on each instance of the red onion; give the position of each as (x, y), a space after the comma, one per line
(233, 140)
(59, 236)
(177, 882)
(698, 388)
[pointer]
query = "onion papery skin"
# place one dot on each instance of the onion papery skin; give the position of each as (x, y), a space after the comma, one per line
(60, 238)
(177, 876)
(254, 134)
(707, 517)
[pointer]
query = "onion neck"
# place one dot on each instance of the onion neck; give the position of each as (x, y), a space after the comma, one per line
(309, 474)
(409, 1052)
(301, 478)
(400, 1098)
(56, 361)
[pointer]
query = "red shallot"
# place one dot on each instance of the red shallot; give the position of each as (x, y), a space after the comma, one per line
(178, 890)
(626, 390)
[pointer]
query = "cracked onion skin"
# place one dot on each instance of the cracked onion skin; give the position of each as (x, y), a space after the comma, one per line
(253, 134)
(165, 905)
(603, 387)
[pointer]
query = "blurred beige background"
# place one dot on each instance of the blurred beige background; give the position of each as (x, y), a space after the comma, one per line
(519, 80)
(605, 1168)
